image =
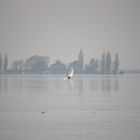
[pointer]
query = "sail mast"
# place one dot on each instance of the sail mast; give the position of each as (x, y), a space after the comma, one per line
(69, 69)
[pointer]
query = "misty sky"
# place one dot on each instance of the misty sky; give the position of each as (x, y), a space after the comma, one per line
(60, 28)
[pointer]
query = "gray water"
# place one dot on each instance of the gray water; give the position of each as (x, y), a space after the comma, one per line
(88, 107)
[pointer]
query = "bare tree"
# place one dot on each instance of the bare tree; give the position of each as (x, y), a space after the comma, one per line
(116, 64)
(5, 63)
(0, 62)
(108, 62)
(103, 60)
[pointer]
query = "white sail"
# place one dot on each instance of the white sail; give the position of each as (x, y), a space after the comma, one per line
(69, 75)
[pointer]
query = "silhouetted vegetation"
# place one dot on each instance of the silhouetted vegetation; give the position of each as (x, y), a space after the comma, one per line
(36, 64)
(40, 64)
(0, 62)
(3, 63)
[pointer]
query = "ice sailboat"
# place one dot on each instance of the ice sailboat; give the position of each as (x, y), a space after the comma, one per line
(70, 72)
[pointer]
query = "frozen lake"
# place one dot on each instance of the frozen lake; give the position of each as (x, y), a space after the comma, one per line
(88, 107)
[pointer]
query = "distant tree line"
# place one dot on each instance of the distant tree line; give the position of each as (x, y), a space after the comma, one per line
(104, 66)
(34, 64)
(40, 64)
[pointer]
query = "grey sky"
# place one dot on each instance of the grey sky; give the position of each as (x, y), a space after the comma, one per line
(60, 28)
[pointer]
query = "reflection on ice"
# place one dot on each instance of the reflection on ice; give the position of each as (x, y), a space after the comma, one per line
(43, 83)
(86, 107)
